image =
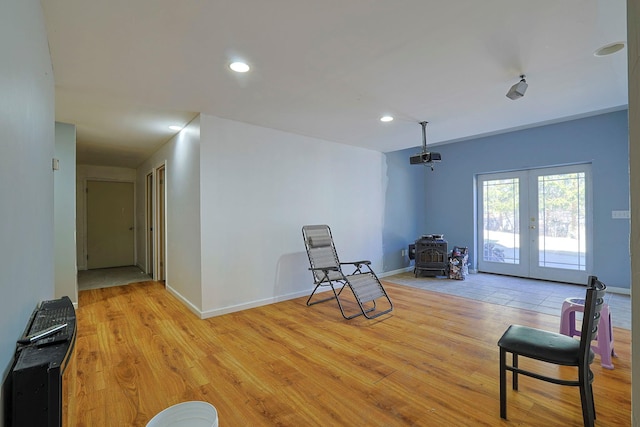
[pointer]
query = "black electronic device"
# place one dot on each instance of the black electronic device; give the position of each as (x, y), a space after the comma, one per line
(41, 357)
(424, 158)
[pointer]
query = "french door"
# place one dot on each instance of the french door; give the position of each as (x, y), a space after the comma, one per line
(536, 223)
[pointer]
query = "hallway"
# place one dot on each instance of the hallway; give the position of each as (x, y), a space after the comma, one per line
(107, 277)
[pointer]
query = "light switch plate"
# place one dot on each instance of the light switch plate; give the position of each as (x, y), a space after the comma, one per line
(620, 214)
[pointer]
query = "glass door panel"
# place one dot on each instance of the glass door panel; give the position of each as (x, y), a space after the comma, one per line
(501, 212)
(561, 238)
(500, 223)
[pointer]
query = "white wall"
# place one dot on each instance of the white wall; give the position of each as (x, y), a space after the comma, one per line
(86, 173)
(258, 188)
(26, 176)
(66, 272)
(181, 155)
(237, 197)
(633, 52)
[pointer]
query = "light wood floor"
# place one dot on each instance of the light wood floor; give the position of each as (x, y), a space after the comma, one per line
(432, 362)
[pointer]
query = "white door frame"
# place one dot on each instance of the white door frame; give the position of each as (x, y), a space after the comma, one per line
(149, 223)
(156, 224)
(160, 218)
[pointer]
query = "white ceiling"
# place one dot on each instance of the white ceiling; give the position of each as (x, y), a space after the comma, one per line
(127, 69)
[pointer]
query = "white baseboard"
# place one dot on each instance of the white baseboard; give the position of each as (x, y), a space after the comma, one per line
(251, 304)
(271, 300)
(233, 308)
(622, 291)
(391, 273)
(185, 301)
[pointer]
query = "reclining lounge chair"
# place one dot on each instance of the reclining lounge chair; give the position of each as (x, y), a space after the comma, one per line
(327, 271)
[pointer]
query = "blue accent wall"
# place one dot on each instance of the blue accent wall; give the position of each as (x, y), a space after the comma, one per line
(445, 199)
(404, 208)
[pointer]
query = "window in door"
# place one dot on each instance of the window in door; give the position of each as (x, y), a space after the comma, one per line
(562, 221)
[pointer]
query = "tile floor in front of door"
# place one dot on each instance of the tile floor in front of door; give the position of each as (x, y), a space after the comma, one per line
(529, 294)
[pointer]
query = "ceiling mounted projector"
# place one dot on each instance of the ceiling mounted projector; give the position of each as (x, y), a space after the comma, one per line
(425, 157)
(517, 90)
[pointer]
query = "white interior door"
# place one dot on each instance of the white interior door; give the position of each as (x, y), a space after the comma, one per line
(110, 220)
(536, 223)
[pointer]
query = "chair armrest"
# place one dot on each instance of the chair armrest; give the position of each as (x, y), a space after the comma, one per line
(332, 268)
(363, 262)
(358, 265)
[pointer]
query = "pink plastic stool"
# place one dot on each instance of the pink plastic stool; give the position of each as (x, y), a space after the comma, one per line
(604, 339)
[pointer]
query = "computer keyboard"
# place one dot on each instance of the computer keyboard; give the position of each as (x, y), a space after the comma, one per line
(51, 315)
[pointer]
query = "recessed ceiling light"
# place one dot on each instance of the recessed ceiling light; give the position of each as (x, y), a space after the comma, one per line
(239, 67)
(609, 49)
(174, 127)
(386, 119)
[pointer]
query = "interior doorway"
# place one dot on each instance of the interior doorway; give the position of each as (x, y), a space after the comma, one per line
(110, 224)
(155, 197)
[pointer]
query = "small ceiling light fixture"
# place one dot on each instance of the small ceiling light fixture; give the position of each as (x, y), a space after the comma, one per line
(609, 49)
(239, 67)
(517, 90)
(174, 127)
(386, 119)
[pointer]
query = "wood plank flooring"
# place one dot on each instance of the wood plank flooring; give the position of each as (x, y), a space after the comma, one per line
(432, 362)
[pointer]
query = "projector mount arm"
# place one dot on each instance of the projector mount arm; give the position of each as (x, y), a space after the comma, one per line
(424, 136)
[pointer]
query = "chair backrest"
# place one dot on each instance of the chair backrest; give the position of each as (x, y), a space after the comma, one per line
(592, 306)
(320, 250)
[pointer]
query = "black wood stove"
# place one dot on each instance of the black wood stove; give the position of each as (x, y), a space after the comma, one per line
(431, 255)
